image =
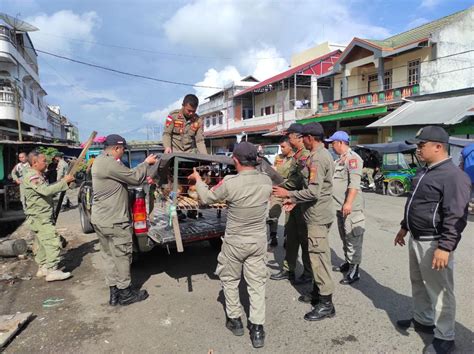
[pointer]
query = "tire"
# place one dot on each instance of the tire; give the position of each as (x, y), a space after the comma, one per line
(395, 188)
(86, 225)
(216, 243)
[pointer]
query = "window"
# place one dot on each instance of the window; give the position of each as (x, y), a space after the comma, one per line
(341, 87)
(213, 120)
(220, 119)
(413, 72)
(387, 80)
(269, 110)
(372, 83)
(32, 97)
(208, 123)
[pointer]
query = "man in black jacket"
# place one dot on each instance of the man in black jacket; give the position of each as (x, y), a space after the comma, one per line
(435, 215)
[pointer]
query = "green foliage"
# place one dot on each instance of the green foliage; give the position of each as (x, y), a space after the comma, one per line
(49, 152)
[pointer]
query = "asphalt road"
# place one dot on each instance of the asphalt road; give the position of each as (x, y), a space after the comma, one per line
(185, 310)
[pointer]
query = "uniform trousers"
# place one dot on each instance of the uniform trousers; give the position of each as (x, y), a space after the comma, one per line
(251, 259)
(432, 290)
(296, 236)
(116, 251)
(47, 242)
(351, 230)
(320, 256)
(274, 213)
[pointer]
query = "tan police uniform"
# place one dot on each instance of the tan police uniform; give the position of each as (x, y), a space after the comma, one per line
(61, 169)
(38, 195)
(17, 174)
(111, 217)
(245, 243)
(317, 207)
(184, 134)
(347, 174)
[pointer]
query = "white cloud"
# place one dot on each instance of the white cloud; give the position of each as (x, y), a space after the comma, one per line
(57, 30)
(430, 4)
(159, 115)
(263, 63)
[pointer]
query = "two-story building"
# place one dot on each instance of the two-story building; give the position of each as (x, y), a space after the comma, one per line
(61, 128)
(376, 83)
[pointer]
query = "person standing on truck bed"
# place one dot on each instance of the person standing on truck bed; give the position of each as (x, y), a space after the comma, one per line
(244, 246)
(184, 129)
(39, 206)
(111, 218)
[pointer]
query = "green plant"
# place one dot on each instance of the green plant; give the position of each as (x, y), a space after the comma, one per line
(49, 152)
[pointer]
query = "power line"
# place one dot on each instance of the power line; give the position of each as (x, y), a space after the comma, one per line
(125, 72)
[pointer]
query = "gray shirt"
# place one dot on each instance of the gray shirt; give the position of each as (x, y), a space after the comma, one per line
(247, 195)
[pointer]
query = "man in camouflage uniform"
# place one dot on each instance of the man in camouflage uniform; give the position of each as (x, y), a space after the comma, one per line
(244, 246)
(316, 202)
(283, 164)
(184, 129)
(350, 205)
(295, 229)
(18, 172)
(39, 216)
(111, 217)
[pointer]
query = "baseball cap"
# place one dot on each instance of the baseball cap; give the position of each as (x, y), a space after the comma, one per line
(245, 152)
(115, 139)
(295, 128)
(313, 129)
(430, 133)
(338, 136)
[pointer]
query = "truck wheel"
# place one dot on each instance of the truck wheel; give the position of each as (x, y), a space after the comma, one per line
(86, 225)
(216, 243)
(395, 188)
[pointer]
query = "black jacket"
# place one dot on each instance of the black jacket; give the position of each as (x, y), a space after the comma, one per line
(438, 205)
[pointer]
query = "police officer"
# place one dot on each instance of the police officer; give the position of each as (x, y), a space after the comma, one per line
(350, 204)
(39, 204)
(244, 246)
(111, 218)
(18, 172)
(316, 202)
(184, 129)
(295, 229)
(283, 164)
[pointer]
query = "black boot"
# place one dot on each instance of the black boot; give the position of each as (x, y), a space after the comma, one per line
(283, 275)
(344, 267)
(312, 297)
(257, 335)
(128, 296)
(114, 296)
(235, 326)
(352, 275)
(273, 239)
(323, 309)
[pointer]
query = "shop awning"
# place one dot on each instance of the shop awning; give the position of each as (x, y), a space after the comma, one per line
(443, 111)
(256, 129)
(360, 113)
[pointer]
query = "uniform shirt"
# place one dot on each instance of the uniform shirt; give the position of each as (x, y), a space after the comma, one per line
(347, 174)
(317, 195)
(184, 134)
(19, 170)
(110, 179)
(298, 175)
(284, 164)
(61, 169)
(38, 194)
(246, 195)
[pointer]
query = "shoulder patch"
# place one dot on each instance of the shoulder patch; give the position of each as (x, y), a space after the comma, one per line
(196, 125)
(313, 172)
(353, 164)
(169, 121)
(221, 182)
(35, 179)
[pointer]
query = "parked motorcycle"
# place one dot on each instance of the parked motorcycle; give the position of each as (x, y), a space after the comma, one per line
(378, 186)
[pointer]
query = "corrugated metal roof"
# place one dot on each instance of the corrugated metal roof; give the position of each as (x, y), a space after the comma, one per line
(442, 111)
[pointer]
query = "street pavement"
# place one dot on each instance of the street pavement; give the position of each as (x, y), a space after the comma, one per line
(185, 313)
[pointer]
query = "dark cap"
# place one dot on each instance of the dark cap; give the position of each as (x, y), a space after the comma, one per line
(295, 128)
(314, 129)
(430, 133)
(115, 139)
(245, 152)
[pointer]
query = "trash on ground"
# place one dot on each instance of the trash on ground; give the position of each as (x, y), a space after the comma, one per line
(10, 325)
(52, 301)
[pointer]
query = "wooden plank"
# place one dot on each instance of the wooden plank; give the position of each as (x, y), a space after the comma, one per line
(10, 325)
(177, 233)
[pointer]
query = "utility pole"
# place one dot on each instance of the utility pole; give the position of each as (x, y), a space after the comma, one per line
(17, 104)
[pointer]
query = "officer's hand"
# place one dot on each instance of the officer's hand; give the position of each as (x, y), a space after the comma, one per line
(346, 209)
(280, 192)
(400, 238)
(288, 205)
(151, 159)
(195, 176)
(168, 150)
(440, 259)
(68, 178)
(18, 182)
(150, 180)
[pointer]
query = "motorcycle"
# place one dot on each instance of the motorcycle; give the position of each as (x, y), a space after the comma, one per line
(378, 187)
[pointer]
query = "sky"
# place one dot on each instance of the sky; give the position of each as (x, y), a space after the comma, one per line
(200, 42)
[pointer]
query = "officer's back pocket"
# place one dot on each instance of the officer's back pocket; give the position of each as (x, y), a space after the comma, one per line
(356, 223)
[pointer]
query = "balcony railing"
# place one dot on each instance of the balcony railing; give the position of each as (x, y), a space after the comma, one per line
(7, 96)
(369, 99)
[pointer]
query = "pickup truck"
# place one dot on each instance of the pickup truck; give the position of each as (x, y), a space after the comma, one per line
(152, 207)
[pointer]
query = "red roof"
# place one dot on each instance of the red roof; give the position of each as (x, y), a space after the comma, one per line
(265, 128)
(317, 66)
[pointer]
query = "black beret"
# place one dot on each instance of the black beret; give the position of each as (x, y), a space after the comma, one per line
(314, 129)
(295, 128)
(245, 152)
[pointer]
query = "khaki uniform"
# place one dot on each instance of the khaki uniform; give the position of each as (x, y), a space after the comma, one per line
(245, 242)
(184, 134)
(39, 216)
(283, 165)
(62, 169)
(347, 174)
(295, 229)
(317, 207)
(111, 217)
(17, 174)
